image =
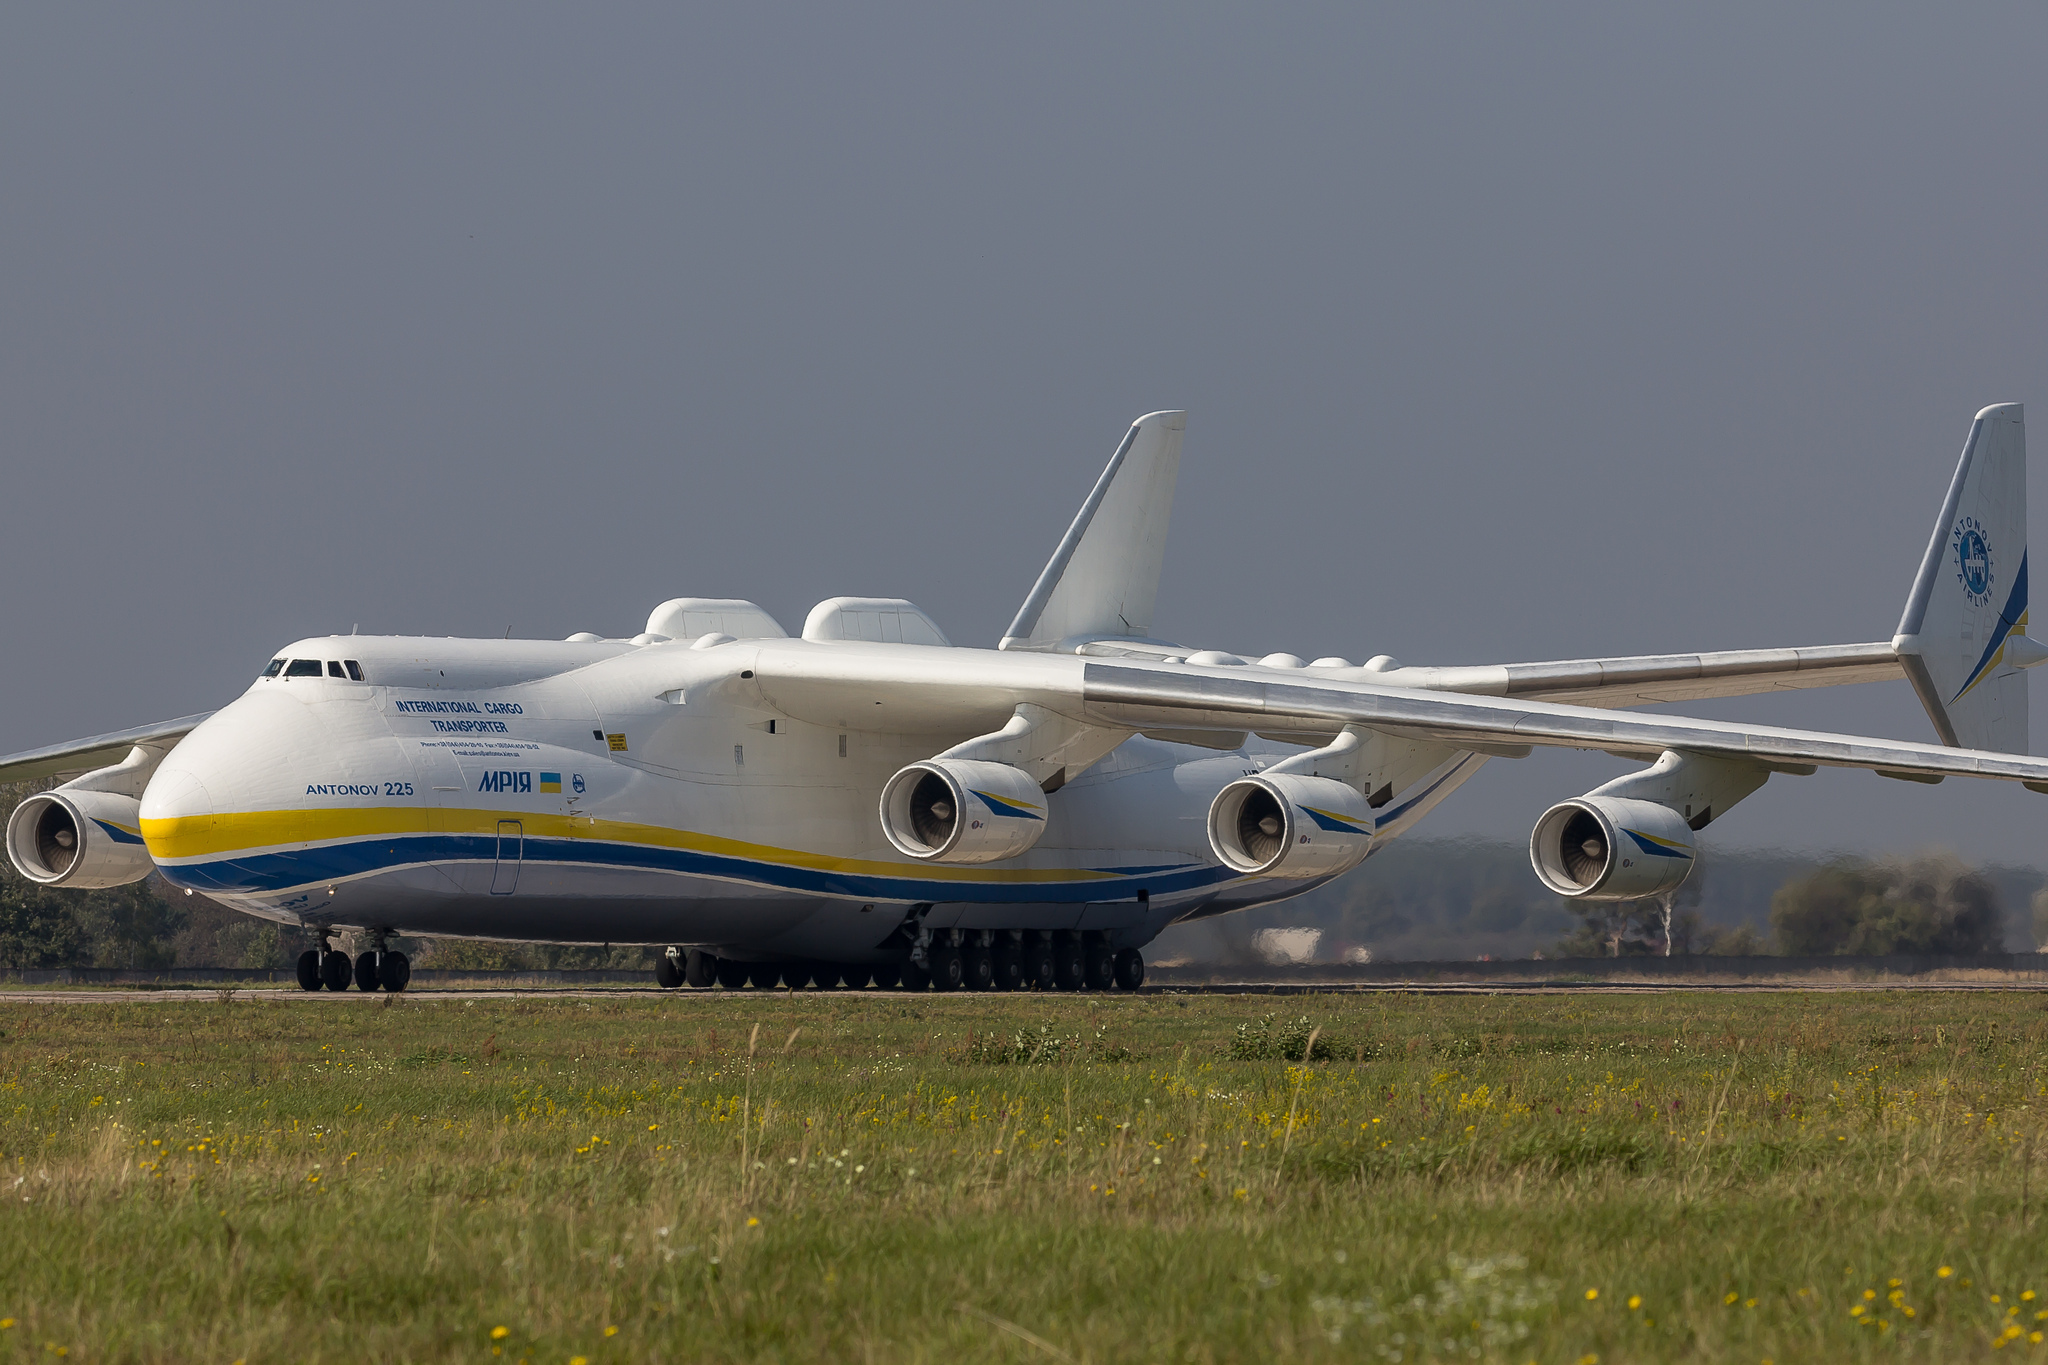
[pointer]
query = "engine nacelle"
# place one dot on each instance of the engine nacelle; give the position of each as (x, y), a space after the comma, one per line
(78, 838)
(1610, 848)
(957, 810)
(1289, 825)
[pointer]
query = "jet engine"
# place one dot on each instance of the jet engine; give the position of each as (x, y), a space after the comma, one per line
(1608, 848)
(1290, 825)
(78, 838)
(956, 810)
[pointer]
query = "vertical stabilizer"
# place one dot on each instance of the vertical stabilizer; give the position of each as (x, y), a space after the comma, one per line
(1963, 638)
(1104, 577)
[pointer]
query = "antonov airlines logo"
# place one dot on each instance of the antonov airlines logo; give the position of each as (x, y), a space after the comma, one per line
(512, 783)
(1973, 560)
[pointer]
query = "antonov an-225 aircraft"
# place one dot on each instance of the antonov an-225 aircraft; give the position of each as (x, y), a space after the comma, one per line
(870, 803)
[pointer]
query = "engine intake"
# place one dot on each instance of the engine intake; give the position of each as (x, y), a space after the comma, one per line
(1608, 848)
(956, 810)
(1288, 825)
(84, 839)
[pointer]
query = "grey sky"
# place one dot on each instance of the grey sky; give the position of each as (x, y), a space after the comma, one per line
(1504, 333)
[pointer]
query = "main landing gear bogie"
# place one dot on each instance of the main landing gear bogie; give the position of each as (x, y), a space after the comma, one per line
(952, 961)
(328, 968)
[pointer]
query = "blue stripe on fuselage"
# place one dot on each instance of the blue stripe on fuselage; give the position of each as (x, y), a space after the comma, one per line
(263, 872)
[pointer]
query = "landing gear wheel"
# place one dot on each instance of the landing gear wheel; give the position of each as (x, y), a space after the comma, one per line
(764, 976)
(1070, 966)
(394, 973)
(856, 978)
(797, 975)
(825, 975)
(309, 970)
(699, 969)
(335, 971)
(667, 974)
(1130, 969)
(366, 972)
(731, 975)
(946, 968)
(977, 969)
(1041, 966)
(889, 976)
(1101, 968)
(1010, 970)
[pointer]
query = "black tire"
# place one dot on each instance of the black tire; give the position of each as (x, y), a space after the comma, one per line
(1010, 969)
(394, 973)
(855, 977)
(1070, 967)
(700, 969)
(977, 969)
(366, 972)
(947, 970)
(731, 975)
(797, 975)
(764, 976)
(1041, 966)
(1130, 969)
(335, 971)
(667, 974)
(1101, 968)
(888, 976)
(309, 970)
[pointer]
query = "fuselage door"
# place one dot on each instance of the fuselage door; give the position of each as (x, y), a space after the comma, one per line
(511, 847)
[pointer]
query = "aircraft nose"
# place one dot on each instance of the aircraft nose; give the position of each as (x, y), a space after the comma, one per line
(181, 816)
(191, 808)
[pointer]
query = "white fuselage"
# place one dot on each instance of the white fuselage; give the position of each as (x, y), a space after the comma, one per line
(611, 792)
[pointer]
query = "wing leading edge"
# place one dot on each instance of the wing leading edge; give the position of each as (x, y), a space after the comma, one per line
(96, 751)
(1645, 680)
(1169, 695)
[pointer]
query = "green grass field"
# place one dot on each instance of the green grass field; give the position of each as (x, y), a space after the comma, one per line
(882, 1177)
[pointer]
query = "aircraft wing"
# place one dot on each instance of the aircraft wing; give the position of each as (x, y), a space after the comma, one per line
(97, 751)
(1647, 679)
(1180, 697)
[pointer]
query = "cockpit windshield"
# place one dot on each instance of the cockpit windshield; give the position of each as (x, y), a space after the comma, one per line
(276, 667)
(303, 668)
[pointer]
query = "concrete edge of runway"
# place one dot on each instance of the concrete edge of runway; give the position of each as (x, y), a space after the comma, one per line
(118, 995)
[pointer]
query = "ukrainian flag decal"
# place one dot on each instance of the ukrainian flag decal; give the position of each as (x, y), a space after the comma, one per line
(550, 782)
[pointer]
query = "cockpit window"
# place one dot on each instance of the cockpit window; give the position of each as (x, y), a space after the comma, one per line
(355, 670)
(334, 669)
(276, 667)
(303, 668)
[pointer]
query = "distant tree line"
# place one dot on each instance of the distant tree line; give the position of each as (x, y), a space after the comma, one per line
(1451, 900)
(1932, 903)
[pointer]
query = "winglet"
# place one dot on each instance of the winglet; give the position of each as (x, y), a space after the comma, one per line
(1104, 577)
(1963, 637)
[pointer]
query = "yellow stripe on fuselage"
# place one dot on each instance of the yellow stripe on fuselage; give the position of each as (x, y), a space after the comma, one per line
(208, 836)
